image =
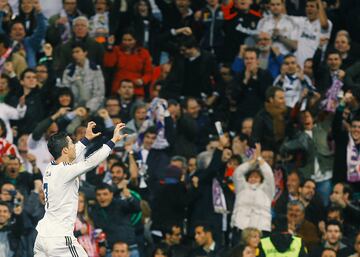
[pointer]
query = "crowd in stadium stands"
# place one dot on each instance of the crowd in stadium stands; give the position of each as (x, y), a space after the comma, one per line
(279, 177)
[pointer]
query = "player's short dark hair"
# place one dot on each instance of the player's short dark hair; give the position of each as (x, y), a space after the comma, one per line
(103, 186)
(27, 70)
(57, 143)
(271, 91)
(333, 223)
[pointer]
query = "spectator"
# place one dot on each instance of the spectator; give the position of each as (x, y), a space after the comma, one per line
(318, 156)
(253, 82)
(193, 73)
(63, 52)
(85, 79)
(84, 229)
(120, 249)
(328, 252)
(147, 28)
(357, 246)
(246, 126)
(291, 193)
(116, 211)
(251, 238)
(333, 241)
(312, 28)
(6, 148)
(279, 26)
(100, 23)
(18, 62)
(161, 251)
(132, 62)
(240, 26)
(270, 58)
(314, 210)
(60, 24)
(299, 226)
(270, 123)
(205, 241)
(282, 242)
(293, 81)
(27, 16)
(10, 230)
(251, 185)
(127, 99)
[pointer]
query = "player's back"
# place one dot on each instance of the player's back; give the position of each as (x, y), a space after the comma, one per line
(61, 201)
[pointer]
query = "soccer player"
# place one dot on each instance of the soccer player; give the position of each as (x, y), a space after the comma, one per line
(61, 184)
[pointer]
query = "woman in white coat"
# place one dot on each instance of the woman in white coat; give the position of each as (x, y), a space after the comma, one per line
(254, 189)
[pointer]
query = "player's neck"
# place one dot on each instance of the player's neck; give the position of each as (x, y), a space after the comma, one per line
(63, 158)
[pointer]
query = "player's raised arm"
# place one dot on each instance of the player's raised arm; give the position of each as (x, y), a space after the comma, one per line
(81, 145)
(74, 170)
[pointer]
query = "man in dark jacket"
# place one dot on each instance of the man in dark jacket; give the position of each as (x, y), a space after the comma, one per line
(269, 127)
(113, 216)
(193, 73)
(252, 84)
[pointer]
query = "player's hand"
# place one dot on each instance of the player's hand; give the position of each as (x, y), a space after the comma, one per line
(117, 135)
(89, 134)
(84, 230)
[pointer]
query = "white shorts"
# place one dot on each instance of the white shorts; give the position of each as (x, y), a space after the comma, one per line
(64, 246)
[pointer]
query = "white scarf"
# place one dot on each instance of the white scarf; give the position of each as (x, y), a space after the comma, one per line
(352, 161)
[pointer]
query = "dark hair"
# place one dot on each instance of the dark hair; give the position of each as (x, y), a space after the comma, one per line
(164, 249)
(57, 143)
(63, 91)
(207, 227)
(271, 91)
(119, 164)
(131, 31)
(126, 81)
(3, 203)
(308, 60)
(150, 130)
(333, 223)
(336, 209)
(252, 50)
(27, 70)
(137, 105)
(188, 42)
(333, 51)
(3, 127)
(120, 243)
(302, 184)
(136, 7)
(78, 44)
(168, 228)
(16, 21)
(297, 173)
(186, 102)
(4, 40)
(172, 102)
(103, 186)
(63, 1)
(289, 56)
(347, 189)
(250, 172)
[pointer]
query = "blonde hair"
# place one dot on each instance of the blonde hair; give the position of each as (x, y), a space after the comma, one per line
(85, 213)
(246, 234)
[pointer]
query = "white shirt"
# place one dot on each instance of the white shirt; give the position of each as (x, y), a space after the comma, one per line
(286, 25)
(309, 35)
(40, 150)
(293, 89)
(7, 113)
(50, 8)
(61, 186)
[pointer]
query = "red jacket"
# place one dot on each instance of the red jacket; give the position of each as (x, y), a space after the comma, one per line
(132, 66)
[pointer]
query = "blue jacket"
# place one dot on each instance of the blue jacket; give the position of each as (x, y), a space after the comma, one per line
(32, 43)
(274, 64)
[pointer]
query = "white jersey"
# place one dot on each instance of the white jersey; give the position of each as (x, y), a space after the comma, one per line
(309, 37)
(61, 185)
(286, 25)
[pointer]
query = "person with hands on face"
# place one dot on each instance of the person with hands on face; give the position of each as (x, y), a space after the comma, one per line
(11, 229)
(254, 189)
(61, 184)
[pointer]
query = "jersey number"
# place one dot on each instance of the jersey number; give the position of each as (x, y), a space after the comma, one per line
(46, 192)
